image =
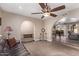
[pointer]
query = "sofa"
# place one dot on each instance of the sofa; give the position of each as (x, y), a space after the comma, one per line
(74, 36)
(17, 50)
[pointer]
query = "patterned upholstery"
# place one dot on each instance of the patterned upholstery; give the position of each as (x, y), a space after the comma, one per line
(11, 42)
(18, 50)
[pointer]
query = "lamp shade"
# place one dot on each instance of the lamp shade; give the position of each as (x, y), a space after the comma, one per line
(8, 29)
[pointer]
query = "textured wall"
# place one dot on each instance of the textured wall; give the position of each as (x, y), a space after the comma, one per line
(15, 21)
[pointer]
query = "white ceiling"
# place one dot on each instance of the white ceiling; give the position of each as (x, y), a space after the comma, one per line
(27, 8)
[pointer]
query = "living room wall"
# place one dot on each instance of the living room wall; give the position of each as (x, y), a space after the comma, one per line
(74, 14)
(50, 22)
(48, 26)
(15, 21)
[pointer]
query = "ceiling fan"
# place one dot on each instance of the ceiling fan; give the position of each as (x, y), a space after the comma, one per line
(47, 11)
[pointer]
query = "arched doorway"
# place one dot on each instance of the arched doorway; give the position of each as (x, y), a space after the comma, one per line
(27, 31)
(58, 30)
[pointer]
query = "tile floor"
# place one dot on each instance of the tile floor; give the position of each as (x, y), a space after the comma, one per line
(44, 48)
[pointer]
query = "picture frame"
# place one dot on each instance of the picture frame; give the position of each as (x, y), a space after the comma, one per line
(43, 30)
(0, 21)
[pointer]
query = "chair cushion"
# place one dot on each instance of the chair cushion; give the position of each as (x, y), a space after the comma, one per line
(11, 42)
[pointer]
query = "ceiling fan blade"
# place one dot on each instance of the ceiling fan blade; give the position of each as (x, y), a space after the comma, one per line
(38, 13)
(53, 15)
(58, 8)
(42, 5)
(47, 7)
(42, 17)
(43, 11)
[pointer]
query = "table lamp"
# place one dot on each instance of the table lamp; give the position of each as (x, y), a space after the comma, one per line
(8, 29)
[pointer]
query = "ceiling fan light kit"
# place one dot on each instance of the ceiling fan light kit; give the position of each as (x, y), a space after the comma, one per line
(47, 11)
(46, 14)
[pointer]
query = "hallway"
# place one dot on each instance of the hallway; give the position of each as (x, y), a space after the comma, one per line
(44, 48)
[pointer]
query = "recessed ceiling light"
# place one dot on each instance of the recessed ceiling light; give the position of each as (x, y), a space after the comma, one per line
(20, 7)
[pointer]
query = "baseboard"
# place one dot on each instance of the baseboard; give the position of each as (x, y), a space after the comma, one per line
(40, 40)
(36, 39)
(27, 41)
(49, 40)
